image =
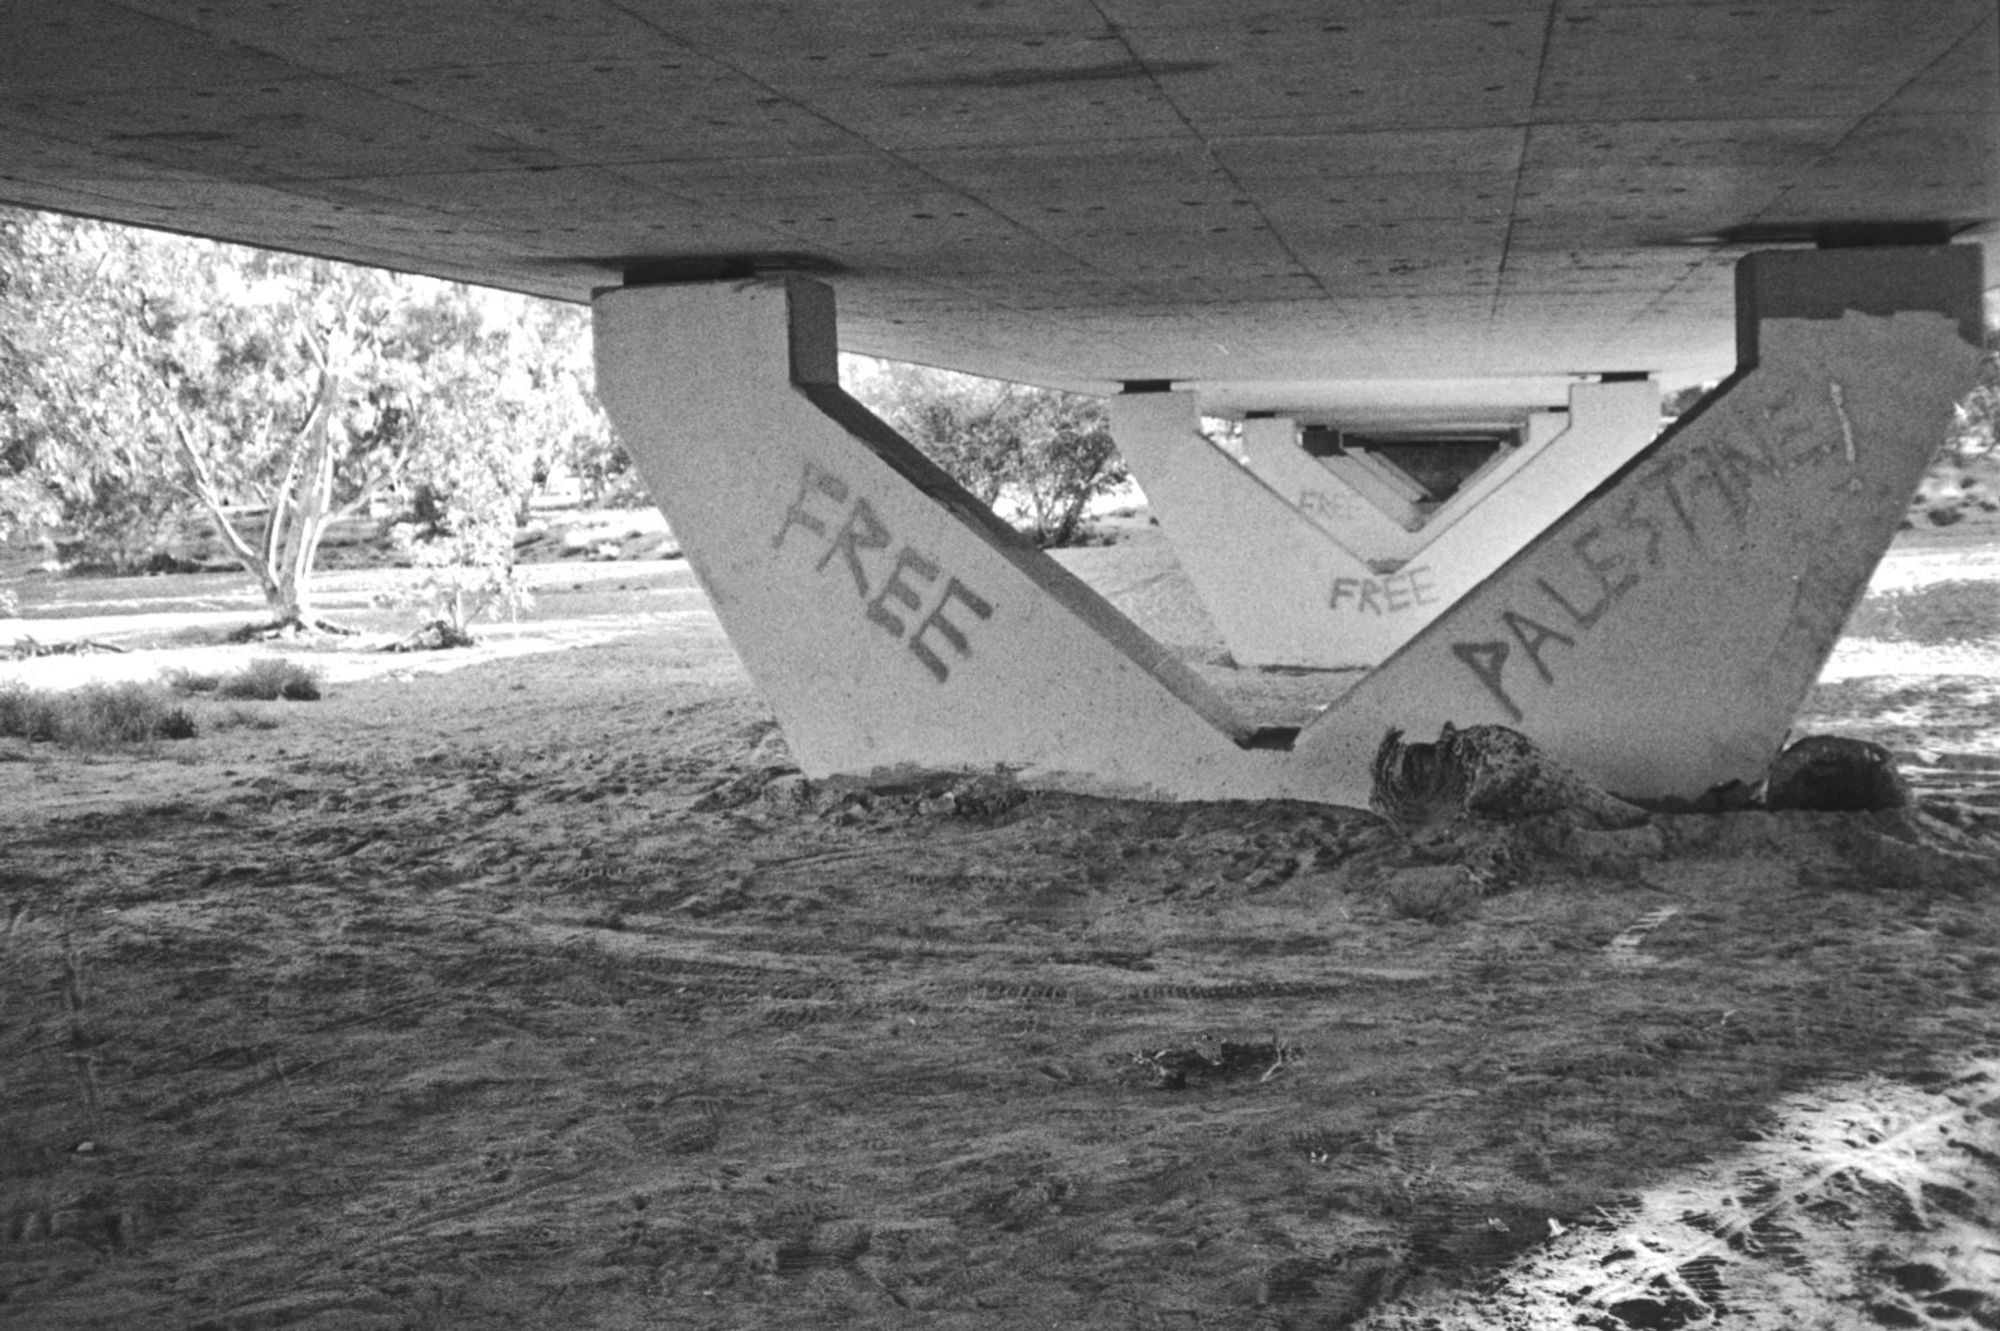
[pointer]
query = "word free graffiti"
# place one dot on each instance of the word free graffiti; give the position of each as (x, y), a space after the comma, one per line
(900, 592)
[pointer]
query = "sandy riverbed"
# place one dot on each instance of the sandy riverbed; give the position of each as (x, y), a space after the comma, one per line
(520, 987)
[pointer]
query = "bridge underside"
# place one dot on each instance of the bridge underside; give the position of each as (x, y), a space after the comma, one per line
(1321, 208)
(1499, 231)
(1657, 634)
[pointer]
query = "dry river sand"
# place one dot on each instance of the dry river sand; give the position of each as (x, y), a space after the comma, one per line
(522, 987)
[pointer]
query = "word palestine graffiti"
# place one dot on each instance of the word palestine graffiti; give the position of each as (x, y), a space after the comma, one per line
(1586, 576)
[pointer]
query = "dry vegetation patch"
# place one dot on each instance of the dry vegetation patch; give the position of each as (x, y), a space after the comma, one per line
(95, 716)
(1957, 610)
(264, 679)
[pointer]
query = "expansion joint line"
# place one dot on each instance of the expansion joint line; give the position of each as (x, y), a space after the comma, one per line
(1208, 151)
(1521, 168)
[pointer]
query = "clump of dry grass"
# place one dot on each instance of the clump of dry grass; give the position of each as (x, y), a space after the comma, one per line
(243, 718)
(1955, 611)
(266, 679)
(1433, 893)
(95, 716)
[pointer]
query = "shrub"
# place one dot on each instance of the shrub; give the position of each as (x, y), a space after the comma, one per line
(23, 715)
(244, 718)
(187, 683)
(270, 678)
(266, 679)
(94, 716)
(1047, 454)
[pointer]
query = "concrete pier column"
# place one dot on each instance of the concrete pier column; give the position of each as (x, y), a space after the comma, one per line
(1371, 472)
(1499, 511)
(1561, 456)
(889, 619)
(1299, 569)
(1263, 568)
(1658, 635)
(1382, 485)
(1373, 529)
(1661, 635)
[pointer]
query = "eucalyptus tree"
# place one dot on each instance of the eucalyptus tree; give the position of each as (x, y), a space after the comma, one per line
(1046, 453)
(145, 376)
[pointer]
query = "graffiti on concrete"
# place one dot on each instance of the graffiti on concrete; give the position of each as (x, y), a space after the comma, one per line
(1698, 498)
(1390, 594)
(1327, 507)
(901, 603)
(1821, 601)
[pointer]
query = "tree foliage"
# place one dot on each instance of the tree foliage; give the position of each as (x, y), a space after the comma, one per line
(23, 500)
(144, 377)
(1964, 476)
(1975, 432)
(1045, 454)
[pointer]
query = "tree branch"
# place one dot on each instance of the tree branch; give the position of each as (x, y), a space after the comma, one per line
(204, 490)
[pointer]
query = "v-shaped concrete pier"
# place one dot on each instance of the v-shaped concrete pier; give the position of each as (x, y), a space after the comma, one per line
(1303, 564)
(1658, 633)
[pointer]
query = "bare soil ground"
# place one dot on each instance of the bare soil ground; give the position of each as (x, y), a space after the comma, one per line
(522, 987)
